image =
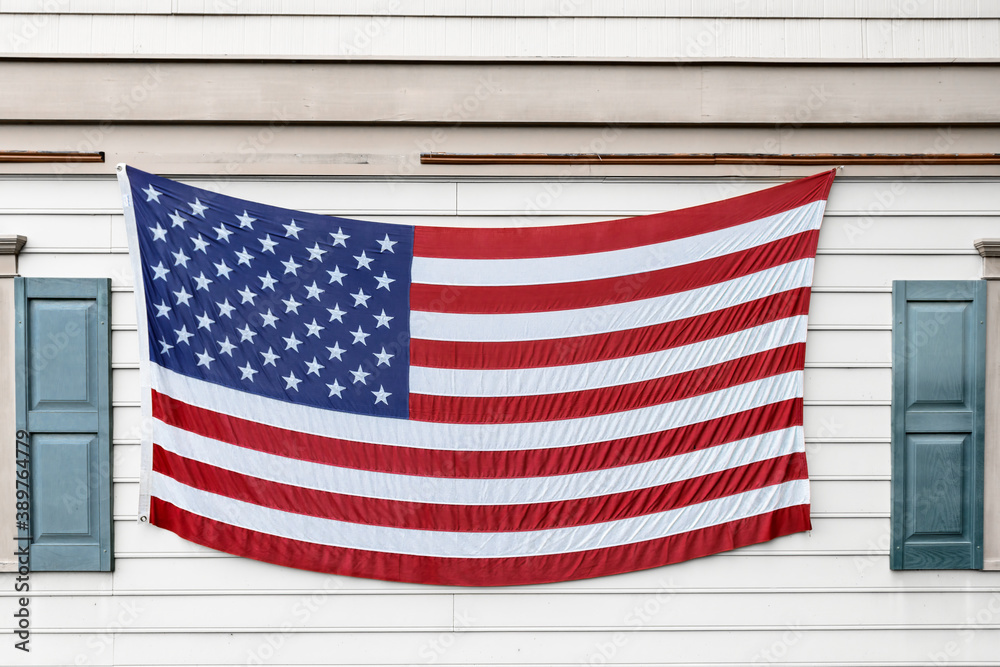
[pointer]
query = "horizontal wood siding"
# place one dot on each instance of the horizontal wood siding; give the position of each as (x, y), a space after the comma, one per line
(546, 8)
(821, 598)
(566, 29)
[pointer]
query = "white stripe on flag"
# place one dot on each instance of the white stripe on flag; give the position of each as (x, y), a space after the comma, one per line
(480, 545)
(614, 317)
(458, 491)
(478, 437)
(608, 373)
(573, 268)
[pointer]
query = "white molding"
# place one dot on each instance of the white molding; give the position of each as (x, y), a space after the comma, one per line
(990, 251)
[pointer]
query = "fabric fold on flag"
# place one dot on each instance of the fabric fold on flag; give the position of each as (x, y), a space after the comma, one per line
(472, 406)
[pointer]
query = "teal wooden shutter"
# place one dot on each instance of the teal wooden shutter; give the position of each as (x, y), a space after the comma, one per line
(938, 389)
(64, 402)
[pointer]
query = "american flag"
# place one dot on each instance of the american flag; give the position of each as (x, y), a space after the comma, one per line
(473, 406)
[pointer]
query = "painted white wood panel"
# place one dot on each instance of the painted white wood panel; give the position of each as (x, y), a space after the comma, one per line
(392, 35)
(874, 233)
(341, 613)
(923, 199)
(62, 649)
(126, 423)
(848, 347)
(661, 608)
(124, 384)
(522, 8)
(854, 197)
(125, 345)
(101, 195)
(880, 271)
(290, 647)
(846, 308)
(839, 459)
(64, 265)
(848, 385)
(62, 583)
(126, 462)
(909, 647)
(122, 311)
(60, 232)
(847, 421)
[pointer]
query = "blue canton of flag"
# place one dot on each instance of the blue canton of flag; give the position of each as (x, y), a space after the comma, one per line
(300, 307)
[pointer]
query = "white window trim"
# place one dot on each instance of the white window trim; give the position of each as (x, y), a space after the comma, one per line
(10, 246)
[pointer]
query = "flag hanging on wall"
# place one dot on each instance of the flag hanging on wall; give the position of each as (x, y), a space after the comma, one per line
(472, 406)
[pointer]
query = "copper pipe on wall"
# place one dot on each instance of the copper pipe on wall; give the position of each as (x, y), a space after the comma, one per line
(50, 156)
(829, 159)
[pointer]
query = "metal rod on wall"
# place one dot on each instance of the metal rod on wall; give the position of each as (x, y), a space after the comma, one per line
(50, 156)
(831, 159)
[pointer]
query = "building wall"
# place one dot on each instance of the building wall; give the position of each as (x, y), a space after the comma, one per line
(271, 103)
(824, 597)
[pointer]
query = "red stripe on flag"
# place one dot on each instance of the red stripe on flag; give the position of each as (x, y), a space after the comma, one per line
(511, 243)
(475, 464)
(478, 571)
(477, 518)
(606, 400)
(613, 345)
(618, 289)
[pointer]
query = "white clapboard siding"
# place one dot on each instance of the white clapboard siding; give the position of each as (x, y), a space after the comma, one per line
(466, 646)
(551, 611)
(774, 32)
(825, 597)
(540, 8)
(594, 199)
(291, 646)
